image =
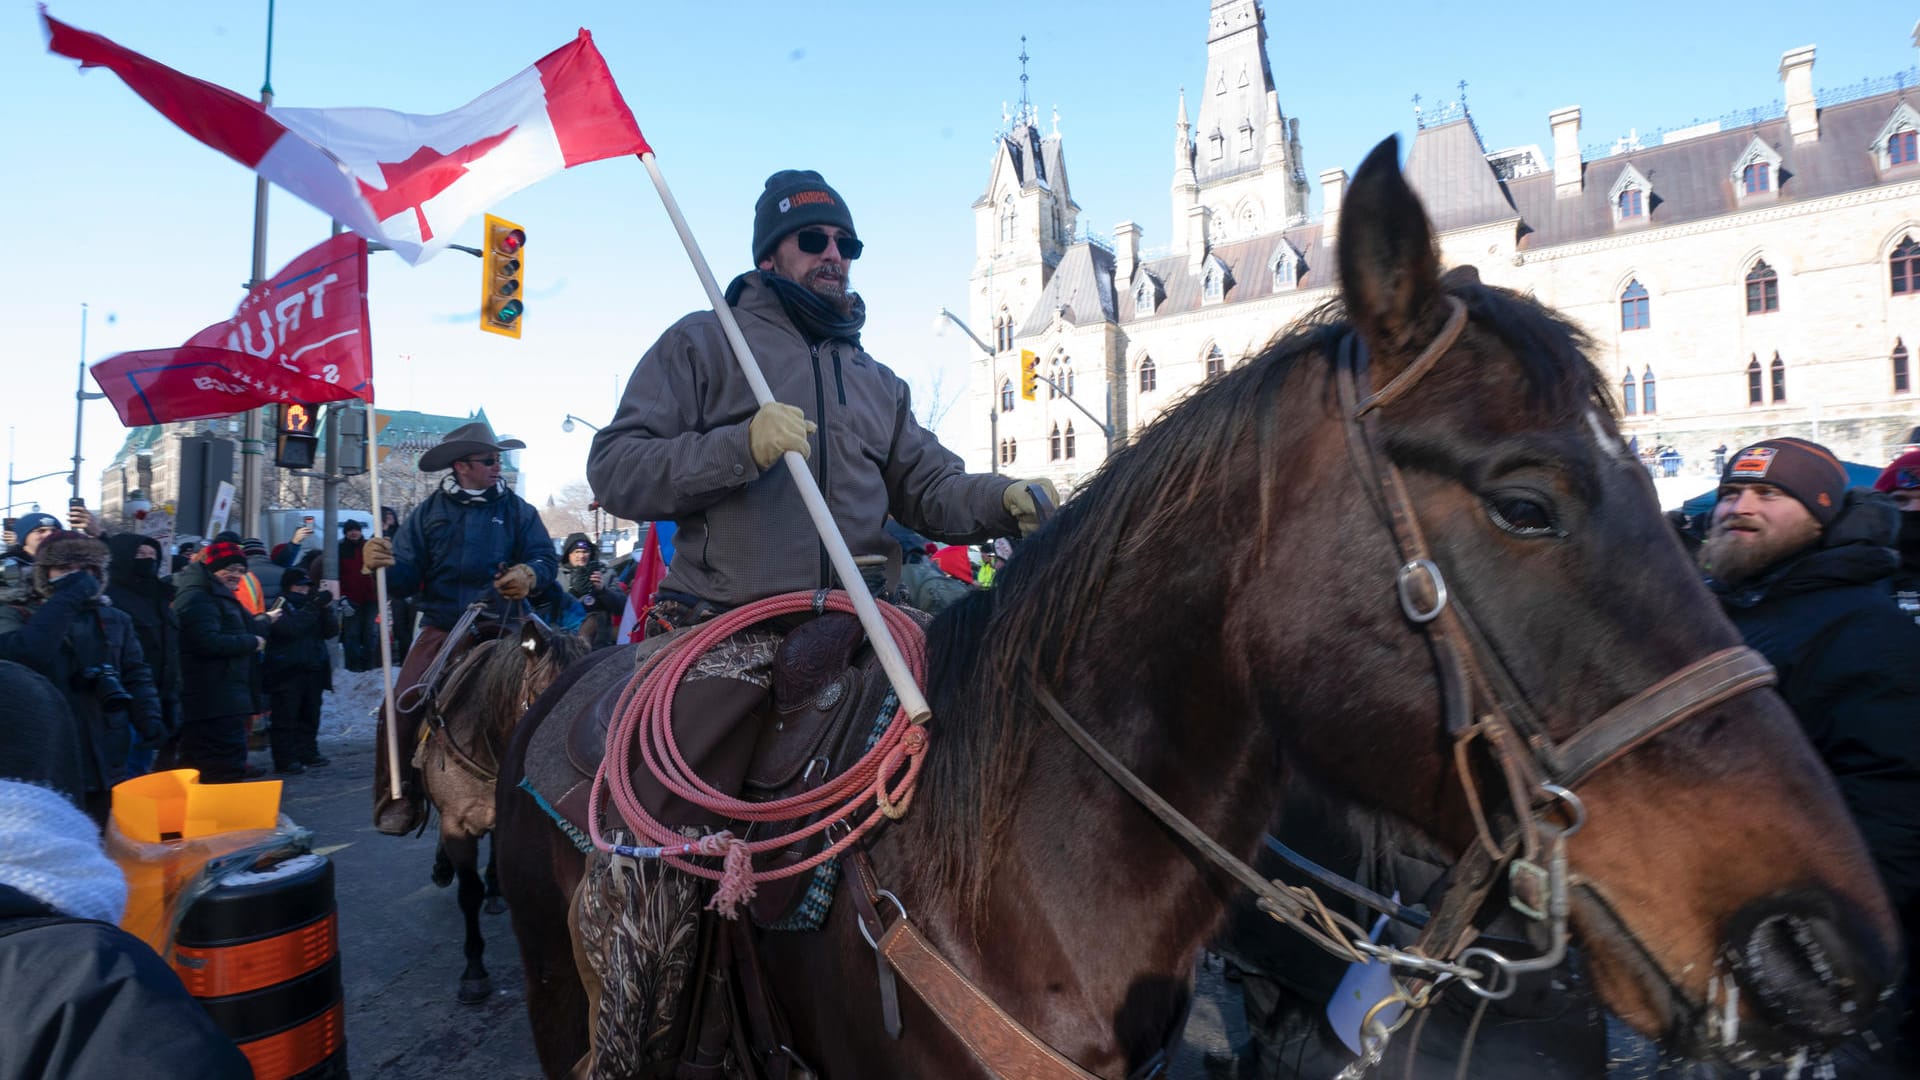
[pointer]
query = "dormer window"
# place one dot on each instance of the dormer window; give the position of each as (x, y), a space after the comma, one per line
(1631, 197)
(1213, 281)
(1218, 144)
(1285, 267)
(1143, 299)
(1246, 136)
(1898, 144)
(1756, 174)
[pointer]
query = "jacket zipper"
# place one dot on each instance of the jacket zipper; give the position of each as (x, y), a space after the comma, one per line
(820, 470)
(838, 384)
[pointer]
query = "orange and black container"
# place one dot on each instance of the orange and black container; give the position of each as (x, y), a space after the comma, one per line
(261, 952)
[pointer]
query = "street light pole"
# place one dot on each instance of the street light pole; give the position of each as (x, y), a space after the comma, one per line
(80, 399)
(993, 403)
(567, 424)
(253, 446)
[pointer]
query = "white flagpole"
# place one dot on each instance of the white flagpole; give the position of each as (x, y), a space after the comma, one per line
(383, 616)
(883, 644)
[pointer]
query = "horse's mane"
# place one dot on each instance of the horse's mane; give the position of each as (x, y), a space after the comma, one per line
(504, 685)
(1153, 494)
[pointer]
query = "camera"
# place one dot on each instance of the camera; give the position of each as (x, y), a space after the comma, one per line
(104, 681)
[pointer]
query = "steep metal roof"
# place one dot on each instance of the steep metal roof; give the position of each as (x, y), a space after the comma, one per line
(1250, 262)
(1448, 169)
(1691, 179)
(1081, 290)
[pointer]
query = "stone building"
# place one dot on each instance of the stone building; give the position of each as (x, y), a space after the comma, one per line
(1753, 276)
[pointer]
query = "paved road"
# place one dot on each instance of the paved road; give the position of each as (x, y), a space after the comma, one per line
(401, 937)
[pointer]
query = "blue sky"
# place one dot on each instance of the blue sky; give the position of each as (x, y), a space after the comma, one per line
(897, 103)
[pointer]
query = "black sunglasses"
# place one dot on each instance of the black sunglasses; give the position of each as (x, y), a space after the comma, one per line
(813, 242)
(489, 462)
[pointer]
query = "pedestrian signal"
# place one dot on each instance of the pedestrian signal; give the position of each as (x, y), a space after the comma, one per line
(296, 442)
(500, 279)
(1029, 373)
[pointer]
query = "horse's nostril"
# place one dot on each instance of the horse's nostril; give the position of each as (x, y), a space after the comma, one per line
(1807, 976)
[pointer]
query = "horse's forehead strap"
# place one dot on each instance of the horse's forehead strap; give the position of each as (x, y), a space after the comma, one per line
(1403, 382)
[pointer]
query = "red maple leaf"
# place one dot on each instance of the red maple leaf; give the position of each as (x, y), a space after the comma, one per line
(427, 173)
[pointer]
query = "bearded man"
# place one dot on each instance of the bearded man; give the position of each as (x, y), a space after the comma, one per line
(1803, 566)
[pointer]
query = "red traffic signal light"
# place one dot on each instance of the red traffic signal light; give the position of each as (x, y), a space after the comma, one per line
(500, 280)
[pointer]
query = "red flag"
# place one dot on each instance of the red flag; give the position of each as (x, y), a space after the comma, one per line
(646, 580)
(405, 180)
(299, 336)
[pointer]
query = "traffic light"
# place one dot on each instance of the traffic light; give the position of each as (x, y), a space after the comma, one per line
(1029, 373)
(352, 419)
(296, 442)
(500, 305)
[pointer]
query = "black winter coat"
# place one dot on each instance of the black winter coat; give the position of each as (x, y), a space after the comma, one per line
(136, 588)
(297, 644)
(217, 646)
(85, 998)
(1826, 621)
(61, 636)
(453, 544)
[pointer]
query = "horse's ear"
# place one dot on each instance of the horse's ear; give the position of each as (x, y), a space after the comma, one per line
(532, 641)
(1389, 270)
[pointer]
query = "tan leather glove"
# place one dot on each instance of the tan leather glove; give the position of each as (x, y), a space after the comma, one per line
(776, 429)
(376, 554)
(1019, 503)
(515, 582)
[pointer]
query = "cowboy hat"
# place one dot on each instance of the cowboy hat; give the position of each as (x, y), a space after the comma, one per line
(464, 441)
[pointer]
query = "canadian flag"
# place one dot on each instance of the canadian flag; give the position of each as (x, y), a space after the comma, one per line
(407, 181)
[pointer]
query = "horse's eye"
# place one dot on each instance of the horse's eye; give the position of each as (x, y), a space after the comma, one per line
(1522, 516)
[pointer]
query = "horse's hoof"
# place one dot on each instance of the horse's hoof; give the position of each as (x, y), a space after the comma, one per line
(475, 991)
(495, 905)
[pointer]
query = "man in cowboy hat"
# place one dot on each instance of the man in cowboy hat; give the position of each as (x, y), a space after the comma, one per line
(471, 540)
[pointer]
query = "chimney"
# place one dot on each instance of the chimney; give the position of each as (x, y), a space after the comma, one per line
(1126, 253)
(1333, 187)
(1567, 175)
(1796, 72)
(1196, 238)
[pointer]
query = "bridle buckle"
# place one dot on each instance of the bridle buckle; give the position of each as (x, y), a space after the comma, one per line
(1436, 583)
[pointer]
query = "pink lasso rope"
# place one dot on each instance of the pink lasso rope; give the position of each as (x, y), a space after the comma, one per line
(885, 775)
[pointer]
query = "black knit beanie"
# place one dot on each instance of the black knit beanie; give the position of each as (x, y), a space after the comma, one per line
(793, 200)
(1804, 470)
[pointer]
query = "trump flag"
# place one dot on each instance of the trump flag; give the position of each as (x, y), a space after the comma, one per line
(299, 336)
(408, 181)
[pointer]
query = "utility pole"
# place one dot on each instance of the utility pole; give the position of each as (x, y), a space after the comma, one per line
(253, 447)
(80, 399)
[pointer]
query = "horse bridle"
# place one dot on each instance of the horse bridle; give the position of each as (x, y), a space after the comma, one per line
(1481, 704)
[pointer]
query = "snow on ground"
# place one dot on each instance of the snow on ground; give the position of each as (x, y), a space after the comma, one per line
(347, 714)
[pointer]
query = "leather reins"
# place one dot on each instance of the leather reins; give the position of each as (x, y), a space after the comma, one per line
(1481, 703)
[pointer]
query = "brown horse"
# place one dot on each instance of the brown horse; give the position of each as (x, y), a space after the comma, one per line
(1218, 608)
(477, 709)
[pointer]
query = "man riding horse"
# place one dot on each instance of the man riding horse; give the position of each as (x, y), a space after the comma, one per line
(689, 443)
(471, 536)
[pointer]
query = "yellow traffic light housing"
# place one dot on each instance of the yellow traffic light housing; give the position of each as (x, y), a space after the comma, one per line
(295, 439)
(1029, 373)
(500, 280)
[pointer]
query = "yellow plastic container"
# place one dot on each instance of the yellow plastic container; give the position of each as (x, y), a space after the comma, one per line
(175, 805)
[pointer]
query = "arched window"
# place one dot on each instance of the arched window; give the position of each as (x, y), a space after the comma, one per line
(1212, 287)
(1069, 440)
(1634, 313)
(1905, 266)
(1753, 381)
(1778, 369)
(1053, 444)
(1902, 382)
(1647, 405)
(1216, 362)
(1763, 289)
(1143, 299)
(1003, 331)
(1757, 177)
(1002, 451)
(1629, 400)
(1006, 218)
(1149, 375)
(1631, 204)
(1006, 395)
(1013, 450)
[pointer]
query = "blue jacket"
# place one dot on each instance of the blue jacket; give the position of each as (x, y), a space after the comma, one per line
(453, 545)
